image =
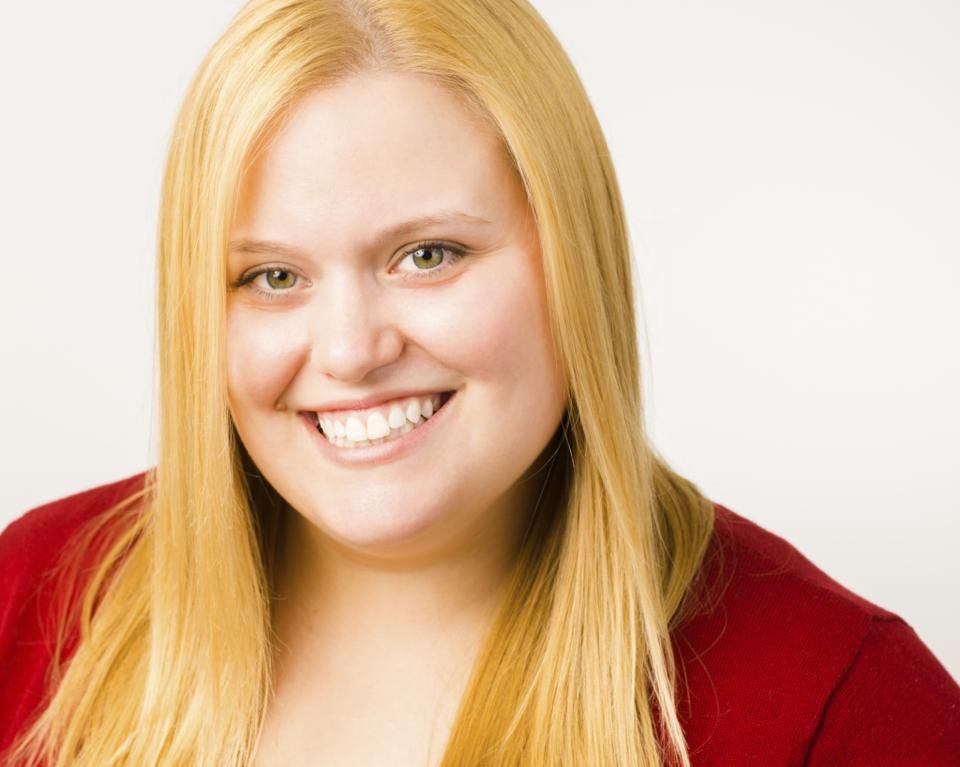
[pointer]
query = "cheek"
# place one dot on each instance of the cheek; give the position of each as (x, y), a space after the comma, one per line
(499, 328)
(264, 352)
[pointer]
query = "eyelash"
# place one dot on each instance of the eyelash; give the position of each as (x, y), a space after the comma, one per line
(454, 254)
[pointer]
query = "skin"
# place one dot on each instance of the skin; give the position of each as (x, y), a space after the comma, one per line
(389, 574)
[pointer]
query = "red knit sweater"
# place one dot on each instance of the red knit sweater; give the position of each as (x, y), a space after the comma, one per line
(786, 668)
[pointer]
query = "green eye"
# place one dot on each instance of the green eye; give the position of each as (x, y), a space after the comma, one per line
(431, 259)
(268, 283)
(433, 250)
(281, 279)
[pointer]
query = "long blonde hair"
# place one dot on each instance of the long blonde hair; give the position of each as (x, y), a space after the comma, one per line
(173, 664)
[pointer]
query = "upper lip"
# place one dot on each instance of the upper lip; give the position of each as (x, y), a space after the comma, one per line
(372, 400)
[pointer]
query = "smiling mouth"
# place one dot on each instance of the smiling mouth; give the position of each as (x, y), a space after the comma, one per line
(381, 424)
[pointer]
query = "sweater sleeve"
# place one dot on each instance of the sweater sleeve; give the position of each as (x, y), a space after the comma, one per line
(895, 706)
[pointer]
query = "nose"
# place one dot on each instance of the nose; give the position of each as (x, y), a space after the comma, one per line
(353, 330)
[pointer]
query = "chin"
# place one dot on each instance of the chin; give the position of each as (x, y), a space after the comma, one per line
(372, 530)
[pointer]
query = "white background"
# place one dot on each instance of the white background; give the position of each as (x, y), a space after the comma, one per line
(792, 177)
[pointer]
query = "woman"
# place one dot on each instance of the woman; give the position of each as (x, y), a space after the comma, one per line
(404, 510)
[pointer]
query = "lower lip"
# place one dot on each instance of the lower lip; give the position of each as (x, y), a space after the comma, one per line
(371, 455)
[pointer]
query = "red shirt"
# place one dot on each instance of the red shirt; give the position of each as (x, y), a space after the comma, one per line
(787, 668)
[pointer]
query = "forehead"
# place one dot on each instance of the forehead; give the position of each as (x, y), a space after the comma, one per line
(373, 148)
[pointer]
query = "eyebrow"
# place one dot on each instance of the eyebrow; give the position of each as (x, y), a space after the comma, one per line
(392, 232)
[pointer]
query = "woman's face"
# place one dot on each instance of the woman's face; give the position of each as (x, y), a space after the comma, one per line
(402, 259)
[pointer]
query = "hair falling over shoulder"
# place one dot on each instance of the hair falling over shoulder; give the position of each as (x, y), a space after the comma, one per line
(172, 665)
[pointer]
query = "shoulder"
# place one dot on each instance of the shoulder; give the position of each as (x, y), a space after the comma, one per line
(774, 640)
(761, 565)
(30, 552)
(29, 545)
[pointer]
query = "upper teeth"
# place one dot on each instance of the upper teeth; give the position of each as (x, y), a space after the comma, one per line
(398, 416)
